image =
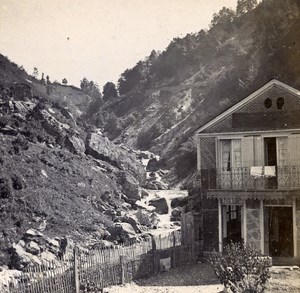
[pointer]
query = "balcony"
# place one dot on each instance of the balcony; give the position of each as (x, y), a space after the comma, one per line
(243, 178)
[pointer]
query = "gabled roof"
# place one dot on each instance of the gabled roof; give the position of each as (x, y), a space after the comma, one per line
(248, 99)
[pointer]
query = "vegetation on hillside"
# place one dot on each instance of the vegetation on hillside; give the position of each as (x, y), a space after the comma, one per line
(168, 95)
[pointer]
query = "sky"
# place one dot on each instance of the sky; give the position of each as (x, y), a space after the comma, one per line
(96, 39)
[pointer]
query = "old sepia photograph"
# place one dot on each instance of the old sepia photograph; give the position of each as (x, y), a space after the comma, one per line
(149, 146)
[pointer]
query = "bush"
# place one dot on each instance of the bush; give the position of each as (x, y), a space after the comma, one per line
(241, 268)
(4, 120)
(5, 187)
(17, 181)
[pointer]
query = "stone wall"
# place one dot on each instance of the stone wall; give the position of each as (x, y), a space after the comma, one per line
(253, 224)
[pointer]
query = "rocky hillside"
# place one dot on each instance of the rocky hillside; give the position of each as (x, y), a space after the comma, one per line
(58, 175)
(167, 96)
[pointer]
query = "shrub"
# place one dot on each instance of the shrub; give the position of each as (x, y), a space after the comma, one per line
(4, 120)
(145, 139)
(241, 268)
(17, 181)
(5, 187)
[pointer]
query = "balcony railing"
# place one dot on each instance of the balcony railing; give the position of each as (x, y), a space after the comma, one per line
(242, 178)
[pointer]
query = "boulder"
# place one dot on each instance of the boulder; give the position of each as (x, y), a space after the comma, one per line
(154, 219)
(101, 244)
(53, 246)
(75, 145)
(8, 130)
(143, 217)
(178, 202)
(160, 204)
(106, 195)
(153, 165)
(21, 107)
(176, 214)
(48, 256)
(7, 278)
(144, 155)
(102, 148)
(126, 205)
(31, 234)
(66, 112)
(21, 259)
(122, 232)
(33, 248)
(129, 185)
(144, 193)
(150, 185)
(133, 222)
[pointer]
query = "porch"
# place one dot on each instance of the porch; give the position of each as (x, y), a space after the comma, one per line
(270, 224)
(251, 178)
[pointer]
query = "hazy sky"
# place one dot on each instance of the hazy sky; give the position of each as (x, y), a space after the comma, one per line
(97, 39)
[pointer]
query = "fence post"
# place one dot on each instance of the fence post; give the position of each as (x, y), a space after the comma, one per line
(76, 275)
(154, 253)
(174, 250)
(122, 269)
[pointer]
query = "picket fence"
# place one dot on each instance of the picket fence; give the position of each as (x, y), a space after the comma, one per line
(91, 270)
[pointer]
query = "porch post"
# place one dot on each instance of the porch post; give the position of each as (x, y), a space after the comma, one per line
(220, 225)
(245, 221)
(295, 229)
(262, 232)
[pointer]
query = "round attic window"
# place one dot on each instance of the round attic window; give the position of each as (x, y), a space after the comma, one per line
(268, 103)
(280, 103)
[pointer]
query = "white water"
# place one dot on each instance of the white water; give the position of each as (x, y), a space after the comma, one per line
(165, 224)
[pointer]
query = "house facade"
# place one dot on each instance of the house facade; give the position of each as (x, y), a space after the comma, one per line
(248, 160)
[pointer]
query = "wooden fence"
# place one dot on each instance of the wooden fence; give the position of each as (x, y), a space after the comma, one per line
(94, 269)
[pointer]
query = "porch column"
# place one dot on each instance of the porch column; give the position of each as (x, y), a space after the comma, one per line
(220, 225)
(262, 232)
(295, 228)
(245, 222)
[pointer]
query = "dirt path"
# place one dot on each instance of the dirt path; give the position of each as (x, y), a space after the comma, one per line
(201, 279)
(188, 279)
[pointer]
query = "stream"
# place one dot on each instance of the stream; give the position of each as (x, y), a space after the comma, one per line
(165, 223)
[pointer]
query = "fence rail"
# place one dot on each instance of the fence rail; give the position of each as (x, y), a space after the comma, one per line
(94, 269)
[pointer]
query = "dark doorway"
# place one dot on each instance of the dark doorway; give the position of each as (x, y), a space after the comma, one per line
(280, 231)
(271, 160)
(233, 224)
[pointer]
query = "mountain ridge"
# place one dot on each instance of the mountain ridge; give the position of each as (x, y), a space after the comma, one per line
(167, 96)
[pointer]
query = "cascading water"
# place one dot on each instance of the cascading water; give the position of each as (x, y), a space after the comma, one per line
(165, 223)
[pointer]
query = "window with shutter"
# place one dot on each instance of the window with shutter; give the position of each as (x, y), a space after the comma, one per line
(294, 150)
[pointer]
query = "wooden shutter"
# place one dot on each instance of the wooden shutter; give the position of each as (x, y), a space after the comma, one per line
(247, 151)
(236, 153)
(294, 149)
(282, 151)
(258, 151)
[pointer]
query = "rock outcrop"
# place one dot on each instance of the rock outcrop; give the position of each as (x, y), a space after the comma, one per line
(160, 204)
(121, 232)
(130, 185)
(34, 248)
(75, 144)
(102, 148)
(56, 180)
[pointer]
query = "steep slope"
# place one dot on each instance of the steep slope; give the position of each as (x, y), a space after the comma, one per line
(167, 96)
(54, 171)
(65, 96)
